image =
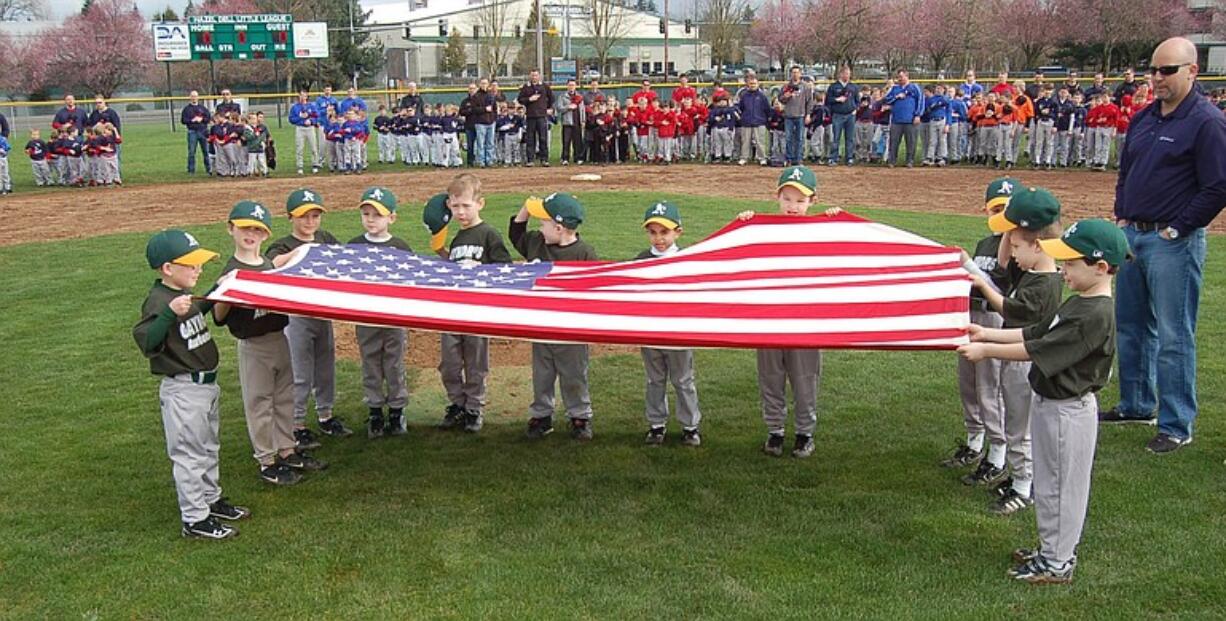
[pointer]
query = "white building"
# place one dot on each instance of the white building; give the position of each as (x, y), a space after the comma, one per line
(1212, 50)
(637, 44)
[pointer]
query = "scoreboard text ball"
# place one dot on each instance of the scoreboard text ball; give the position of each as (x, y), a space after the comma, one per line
(241, 37)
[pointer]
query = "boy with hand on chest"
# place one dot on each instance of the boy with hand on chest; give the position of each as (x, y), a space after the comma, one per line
(555, 363)
(1071, 358)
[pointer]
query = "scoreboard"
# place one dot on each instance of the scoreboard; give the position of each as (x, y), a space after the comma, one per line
(241, 37)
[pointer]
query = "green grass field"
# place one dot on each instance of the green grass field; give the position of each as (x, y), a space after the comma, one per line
(442, 525)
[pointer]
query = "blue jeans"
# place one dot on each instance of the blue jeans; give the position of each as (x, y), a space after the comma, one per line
(794, 148)
(844, 127)
(485, 145)
(470, 133)
(193, 139)
(1157, 296)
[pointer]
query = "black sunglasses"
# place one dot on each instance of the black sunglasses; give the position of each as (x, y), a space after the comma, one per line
(1168, 69)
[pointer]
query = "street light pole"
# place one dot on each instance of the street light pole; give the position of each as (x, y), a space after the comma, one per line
(353, 45)
(540, 40)
(666, 40)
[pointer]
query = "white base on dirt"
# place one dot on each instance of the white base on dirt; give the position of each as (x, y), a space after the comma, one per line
(586, 177)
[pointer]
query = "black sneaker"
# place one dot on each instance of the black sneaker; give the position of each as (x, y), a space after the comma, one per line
(279, 474)
(335, 428)
(1164, 443)
(209, 528)
(691, 437)
(1038, 570)
(1022, 556)
(473, 421)
(1011, 502)
(774, 444)
(581, 429)
(374, 426)
(962, 457)
(395, 425)
(303, 461)
(305, 440)
(540, 427)
(1115, 417)
(803, 447)
(655, 436)
(226, 511)
(1002, 488)
(985, 474)
(454, 418)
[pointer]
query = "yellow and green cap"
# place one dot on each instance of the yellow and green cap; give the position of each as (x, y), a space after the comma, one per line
(303, 200)
(800, 177)
(382, 199)
(1029, 208)
(1095, 239)
(562, 208)
(436, 216)
(663, 213)
(251, 213)
(175, 246)
(999, 192)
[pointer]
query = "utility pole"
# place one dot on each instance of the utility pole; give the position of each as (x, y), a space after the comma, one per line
(540, 40)
(353, 45)
(666, 40)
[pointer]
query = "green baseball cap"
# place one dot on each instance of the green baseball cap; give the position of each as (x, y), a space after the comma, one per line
(303, 200)
(1030, 208)
(562, 208)
(799, 177)
(251, 213)
(381, 199)
(999, 191)
(663, 213)
(175, 246)
(436, 216)
(1091, 239)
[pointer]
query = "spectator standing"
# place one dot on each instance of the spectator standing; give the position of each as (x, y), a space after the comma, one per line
(485, 112)
(412, 100)
(797, 99)
(70, 115)
(906, 102)
(754, 109)
(195, 117)
(537, 100)
(842, 97)
(228, 106)
(305, 117)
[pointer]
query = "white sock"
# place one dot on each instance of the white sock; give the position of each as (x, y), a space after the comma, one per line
(1022, 488)
(996, 455)
(975, 441)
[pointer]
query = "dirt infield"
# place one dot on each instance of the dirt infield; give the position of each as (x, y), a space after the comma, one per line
(71, 214)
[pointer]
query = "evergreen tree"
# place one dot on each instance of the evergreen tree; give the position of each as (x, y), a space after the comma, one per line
(525, 61)
(455, 58)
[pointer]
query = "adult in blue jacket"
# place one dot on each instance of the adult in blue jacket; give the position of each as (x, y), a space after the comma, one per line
(842, 97)
(351, 102)
(755, 108)
(1172, 184)
(305, 118)
(322, 103)
(906, 102)
(195, 117)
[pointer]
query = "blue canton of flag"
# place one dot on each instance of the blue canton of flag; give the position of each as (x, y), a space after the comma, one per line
(369, 263)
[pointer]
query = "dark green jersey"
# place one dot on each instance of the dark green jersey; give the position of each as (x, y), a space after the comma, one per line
(650, 254)
(532, 245)
(174, 344)
(391, 242)
(1072, 353)
(245, 323)
(289, 243)
(1032, 299)
(480, 243)
(985, 258)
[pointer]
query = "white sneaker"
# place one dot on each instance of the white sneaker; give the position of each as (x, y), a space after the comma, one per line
(300, 171)
(740, 162)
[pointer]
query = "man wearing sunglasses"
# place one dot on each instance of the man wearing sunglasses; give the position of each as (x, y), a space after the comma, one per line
(1172, 184)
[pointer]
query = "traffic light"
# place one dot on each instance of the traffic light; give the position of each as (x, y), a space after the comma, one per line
(518, 32)
(663, 26)
(689, 26)
(442, 27)
(408, 32)
(476, 32)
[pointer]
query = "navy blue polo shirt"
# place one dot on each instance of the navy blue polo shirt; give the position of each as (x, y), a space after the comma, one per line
(1174, 167)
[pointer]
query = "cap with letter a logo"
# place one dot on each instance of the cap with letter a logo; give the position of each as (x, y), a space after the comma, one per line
(1095, 239)
(251, 213)
(381, 199)
(665, 214)
(436, 216)
(562, 208)
(302, 201)
(799, 177)
(1030, 209)
(175, 246)
(999, 192)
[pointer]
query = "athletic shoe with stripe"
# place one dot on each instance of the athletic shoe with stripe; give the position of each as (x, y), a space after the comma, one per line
(691, 437)
(655, 436)
(209, 528)
(540, 427)
(1011, 502)
(803, 447)
(453, 418)
(774, 444)
(581, 429)
(304, 440)
(280, 474)
(334, 427)
(1039, 570)
(224, 510)
(302, 460)
(962, 457)
(985, 474)
(473, 421)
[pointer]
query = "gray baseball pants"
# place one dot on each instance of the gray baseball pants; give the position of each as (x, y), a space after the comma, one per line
(191, 417)
(312, 354)
(1044, 138)
(676, 365)
(936, 145)
(267, 383)
(803, 369)
(1065, 433)
(898, 133)
(979, 385)
(42, 172)
(464, 366)
(382, 352)
(567, 366)
(721, 142)
(753, 142)
(6, 181)
(1018, 394)
(304, 136)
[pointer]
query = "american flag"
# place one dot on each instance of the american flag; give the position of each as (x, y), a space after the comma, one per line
(772, 281)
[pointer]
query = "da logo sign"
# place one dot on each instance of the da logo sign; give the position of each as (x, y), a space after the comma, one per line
(171, 42)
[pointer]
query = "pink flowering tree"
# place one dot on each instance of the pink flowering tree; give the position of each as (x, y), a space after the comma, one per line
(1033, 27)
(781, 29)
(100, 50)
(843, 31)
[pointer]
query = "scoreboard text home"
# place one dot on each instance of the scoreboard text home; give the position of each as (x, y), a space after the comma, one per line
(241, 37)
